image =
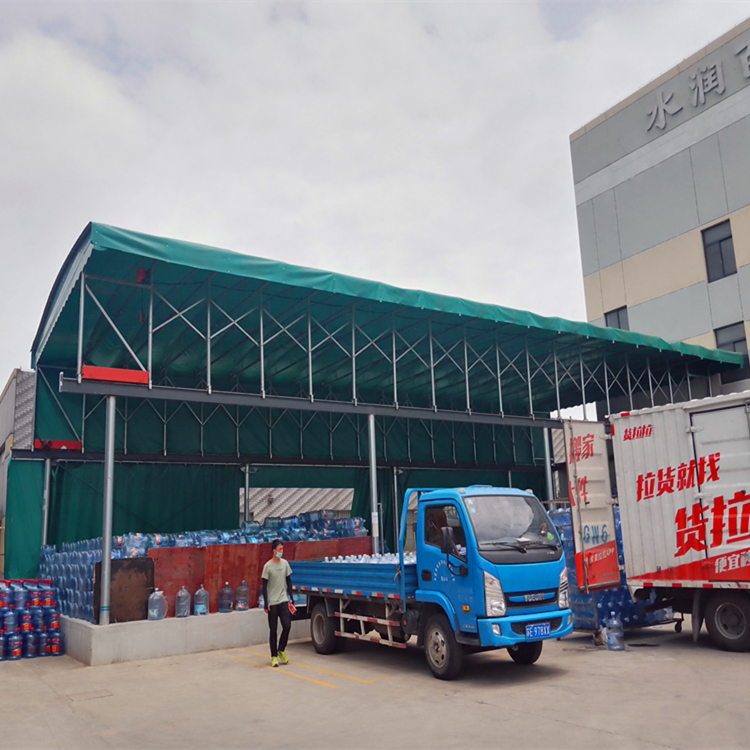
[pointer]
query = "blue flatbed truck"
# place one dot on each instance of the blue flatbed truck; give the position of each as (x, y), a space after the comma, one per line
(489, 574)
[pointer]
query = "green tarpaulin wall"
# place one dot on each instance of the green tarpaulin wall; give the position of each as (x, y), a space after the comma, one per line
(425, 478)
(176, 497)
(23, 521)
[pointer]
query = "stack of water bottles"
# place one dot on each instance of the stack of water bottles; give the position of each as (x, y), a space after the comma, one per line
(29, 620)
(71, 572)
(389, 558)
(71, 566)
(610, 603)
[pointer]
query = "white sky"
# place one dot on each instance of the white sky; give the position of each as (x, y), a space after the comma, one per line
(421, 144)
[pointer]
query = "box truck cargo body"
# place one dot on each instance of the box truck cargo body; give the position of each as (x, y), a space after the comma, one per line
(683, 485)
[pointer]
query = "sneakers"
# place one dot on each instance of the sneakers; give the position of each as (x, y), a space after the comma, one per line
(274, 661)
(283, 658)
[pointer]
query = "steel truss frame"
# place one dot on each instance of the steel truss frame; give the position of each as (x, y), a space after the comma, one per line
(468, 372)
(505, 440)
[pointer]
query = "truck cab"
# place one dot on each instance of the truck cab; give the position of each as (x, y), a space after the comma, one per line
(491, 574)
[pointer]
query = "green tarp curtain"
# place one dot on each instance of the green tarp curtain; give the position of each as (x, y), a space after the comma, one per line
(178, 497)
(147, 497)
(426, 478)
(23, 530)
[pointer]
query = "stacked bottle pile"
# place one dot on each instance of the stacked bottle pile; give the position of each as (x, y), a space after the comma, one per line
(389, 558)
(588, 609)
(71, 572)
(29, 620)
(71, 567)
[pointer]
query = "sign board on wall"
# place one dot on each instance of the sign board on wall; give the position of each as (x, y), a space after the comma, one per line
(591, 505)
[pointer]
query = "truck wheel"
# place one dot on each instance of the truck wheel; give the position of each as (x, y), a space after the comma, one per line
(443, 653)
(728, 621)
(323, 631)
(526, 653)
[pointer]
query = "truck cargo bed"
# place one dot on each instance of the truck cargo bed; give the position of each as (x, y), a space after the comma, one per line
(353, 579)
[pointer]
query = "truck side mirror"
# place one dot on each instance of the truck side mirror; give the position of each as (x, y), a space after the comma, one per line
(447, 545)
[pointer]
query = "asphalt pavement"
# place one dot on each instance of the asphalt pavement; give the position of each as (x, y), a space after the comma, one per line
(661, 692)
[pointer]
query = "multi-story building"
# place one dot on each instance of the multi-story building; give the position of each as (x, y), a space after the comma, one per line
(662, 184)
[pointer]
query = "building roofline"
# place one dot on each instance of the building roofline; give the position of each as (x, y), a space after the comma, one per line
(662, 79)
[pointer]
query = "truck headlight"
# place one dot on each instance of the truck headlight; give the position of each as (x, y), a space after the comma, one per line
(563, 598)
(494, 599)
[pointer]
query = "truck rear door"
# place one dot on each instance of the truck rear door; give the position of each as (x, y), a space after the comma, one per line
(722, 450)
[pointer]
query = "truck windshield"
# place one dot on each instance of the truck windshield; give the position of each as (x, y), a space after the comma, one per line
(516, 522)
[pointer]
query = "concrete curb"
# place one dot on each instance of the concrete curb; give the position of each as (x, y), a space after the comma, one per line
(95, 645)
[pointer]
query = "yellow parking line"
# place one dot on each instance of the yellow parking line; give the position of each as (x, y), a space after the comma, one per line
(328, 671)
(286, 672)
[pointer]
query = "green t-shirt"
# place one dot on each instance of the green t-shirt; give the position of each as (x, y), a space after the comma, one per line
(276, 575)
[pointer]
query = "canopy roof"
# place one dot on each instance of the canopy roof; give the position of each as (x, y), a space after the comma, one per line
(270, 327)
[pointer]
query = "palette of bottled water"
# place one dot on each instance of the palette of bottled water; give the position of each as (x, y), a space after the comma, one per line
(592, 610)
(70, 566)
(389, 558)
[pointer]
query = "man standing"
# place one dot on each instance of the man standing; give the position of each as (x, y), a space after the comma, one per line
(277, 595)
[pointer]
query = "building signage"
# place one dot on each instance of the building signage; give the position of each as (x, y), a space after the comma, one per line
(704, 84)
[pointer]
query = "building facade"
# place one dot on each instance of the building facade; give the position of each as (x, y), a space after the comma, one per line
(662, 183)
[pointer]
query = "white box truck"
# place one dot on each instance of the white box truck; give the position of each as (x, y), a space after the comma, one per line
(683, 486)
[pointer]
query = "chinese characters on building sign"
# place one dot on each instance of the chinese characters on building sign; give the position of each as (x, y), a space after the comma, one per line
(669, 480)
(706, 79)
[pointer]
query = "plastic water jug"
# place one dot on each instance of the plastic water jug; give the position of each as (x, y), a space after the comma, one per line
(226, 599)
(30, 645)
(615, 636)
(56, 643)
(2, 647)
(37, 618)
(20, 596)
(51, 618)
(201, 601)
(157, 606)
(182, 603)
(34, 597)
(42, 641)
(10, 622)
(13, 647)
(24, 620)
(243, 598)
(48, 596)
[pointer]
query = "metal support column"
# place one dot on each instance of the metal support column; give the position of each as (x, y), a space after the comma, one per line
(81, 306)
(375, 521)
(246, 504)
(548, 464)
(46, 496)
(109, 484)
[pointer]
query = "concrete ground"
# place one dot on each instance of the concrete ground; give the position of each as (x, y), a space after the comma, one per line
(662, 692)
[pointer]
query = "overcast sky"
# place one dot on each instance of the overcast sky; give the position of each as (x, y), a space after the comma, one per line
(421, 144)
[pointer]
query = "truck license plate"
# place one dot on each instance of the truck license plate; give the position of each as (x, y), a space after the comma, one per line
(537, 631)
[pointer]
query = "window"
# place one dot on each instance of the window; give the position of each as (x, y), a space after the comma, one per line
(719, 250)
(617, 319)
(732, 339)
(438, 516)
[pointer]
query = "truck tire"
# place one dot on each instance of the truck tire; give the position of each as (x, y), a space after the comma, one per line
(323, 631)
(526, 653)
(728, 621)
(443, 652)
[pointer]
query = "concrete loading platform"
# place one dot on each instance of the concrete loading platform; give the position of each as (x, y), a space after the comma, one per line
(96, 645)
